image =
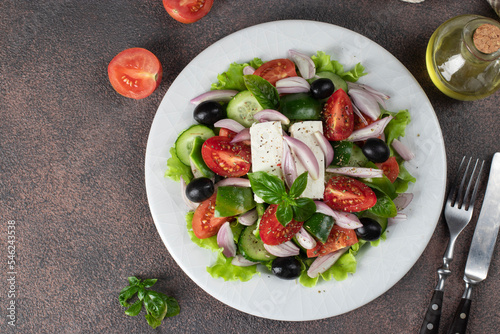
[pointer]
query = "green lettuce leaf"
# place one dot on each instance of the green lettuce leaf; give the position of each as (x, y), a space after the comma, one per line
(396, 127)
(224, 269)
(176, 169)
(404, 177)
(323, 62)
(233, 77)
(340, 269)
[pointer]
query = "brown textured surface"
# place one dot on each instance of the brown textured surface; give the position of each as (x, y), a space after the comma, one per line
(72, 163)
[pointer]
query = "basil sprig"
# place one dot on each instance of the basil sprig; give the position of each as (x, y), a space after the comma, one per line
(273, 191)
(158, 305)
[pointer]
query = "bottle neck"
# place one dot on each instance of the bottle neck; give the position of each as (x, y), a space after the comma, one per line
(470, 49)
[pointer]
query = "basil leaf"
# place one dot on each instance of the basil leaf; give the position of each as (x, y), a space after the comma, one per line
(155, 305)
(135, 309)
(172, 306)
(265, 93)
(304, 209)
(141, 293)
(133, 280)
(268, 187)
(127, 293)
(384, 207)
(147, 283)
(152, 321)
(284, 214)
(298, 186)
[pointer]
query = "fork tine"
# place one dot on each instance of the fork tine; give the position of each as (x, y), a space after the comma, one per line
(461, 188)
(451, 193)
(466, 195)
(476, 186)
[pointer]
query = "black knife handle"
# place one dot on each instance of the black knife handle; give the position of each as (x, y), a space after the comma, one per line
(433, 315)
(461, 318)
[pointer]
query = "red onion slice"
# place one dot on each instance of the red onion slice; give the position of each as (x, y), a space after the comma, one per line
(342, 219)
(305, 156)
(191, 205)
(357, 171)
(248, 218)
(372, 91)
(292, 82)
(305, 239)
(285, 249)
(270, 115)
(234, 182)
(371, 131)
(242, 136)
(396, 219)
(323, 263)
(215, 95)
(291, 90)
(248, 70)
(403, 150)
(365, 103)
(229, 124)
(403, 200)
(304, 63)
(325, 146)
(360, 115)
(240, 261)
(225, 239)
(288, 166)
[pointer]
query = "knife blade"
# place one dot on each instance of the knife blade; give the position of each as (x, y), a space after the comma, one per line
(482, 245)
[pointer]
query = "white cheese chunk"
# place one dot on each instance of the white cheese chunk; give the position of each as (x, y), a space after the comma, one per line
(304, 131)
(267, 149)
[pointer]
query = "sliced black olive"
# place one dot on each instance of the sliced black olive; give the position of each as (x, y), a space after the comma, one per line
(370, 231)
(209, 112)
(322, 88)
(199, 189)
(376, 150)
(286, 267)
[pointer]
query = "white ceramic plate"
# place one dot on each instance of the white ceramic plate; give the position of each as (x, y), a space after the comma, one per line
(379, 268)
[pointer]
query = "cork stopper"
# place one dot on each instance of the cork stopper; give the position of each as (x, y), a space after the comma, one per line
(487, 38)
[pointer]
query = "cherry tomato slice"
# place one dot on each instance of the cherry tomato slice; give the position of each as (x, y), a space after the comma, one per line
(188, 11)
(339, 238)
(226, 159)
(135, 73)
(338, 116)
(223, 132)
(276, 69)
(359, 124)
(346, 194)
(205, 224)
(271, 230)
(390, 168)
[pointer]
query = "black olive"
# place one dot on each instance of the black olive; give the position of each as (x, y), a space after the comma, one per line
(376, 150)
(209, 112)
(370, 231)
(199, 189)
(322, 88)
(286, 267)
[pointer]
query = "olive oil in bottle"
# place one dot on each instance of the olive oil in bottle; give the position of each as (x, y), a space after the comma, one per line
(463, 57)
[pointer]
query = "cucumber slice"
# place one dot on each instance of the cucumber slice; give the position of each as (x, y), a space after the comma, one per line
(357, 158)
(242, 107)
(251, 247)
(338, 82)
(232, 201)
(184, 143)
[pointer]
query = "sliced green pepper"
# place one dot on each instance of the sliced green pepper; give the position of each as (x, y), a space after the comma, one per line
(197, 160)
(319, 225)
(300, 106)
(232, 201)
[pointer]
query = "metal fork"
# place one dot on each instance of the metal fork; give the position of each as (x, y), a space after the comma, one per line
(458, 213)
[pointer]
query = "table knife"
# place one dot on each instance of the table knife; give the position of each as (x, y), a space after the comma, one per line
(482, 246)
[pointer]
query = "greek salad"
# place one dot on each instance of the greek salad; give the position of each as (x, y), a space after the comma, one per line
(292, 166)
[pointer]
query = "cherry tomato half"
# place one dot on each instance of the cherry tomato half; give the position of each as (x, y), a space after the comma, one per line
(205, 224)
(346, 194)
(276, 69)
(338, 116)
(226, 159)
(339, 238)
(271, 230)
(188, 11)
(135, 73)
(390, 168)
